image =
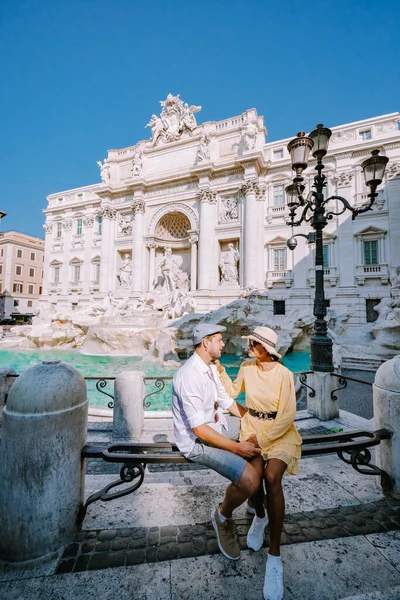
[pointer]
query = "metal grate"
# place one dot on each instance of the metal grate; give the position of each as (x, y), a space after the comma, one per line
(372, 314)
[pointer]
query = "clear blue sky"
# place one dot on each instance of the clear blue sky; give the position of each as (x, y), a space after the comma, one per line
(82, 76)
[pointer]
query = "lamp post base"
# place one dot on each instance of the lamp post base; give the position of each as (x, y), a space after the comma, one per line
(321, 354)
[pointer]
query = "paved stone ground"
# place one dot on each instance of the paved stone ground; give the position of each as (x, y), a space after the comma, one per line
(101, 549)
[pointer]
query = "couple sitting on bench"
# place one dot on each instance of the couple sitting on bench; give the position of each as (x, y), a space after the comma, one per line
(269, 443)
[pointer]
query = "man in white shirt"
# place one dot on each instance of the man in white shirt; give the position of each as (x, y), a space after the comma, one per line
(205, 436)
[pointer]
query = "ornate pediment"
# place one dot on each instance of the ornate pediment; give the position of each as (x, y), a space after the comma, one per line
(176, 117)
(371, 232)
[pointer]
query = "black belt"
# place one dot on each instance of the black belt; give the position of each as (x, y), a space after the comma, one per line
(262, 415)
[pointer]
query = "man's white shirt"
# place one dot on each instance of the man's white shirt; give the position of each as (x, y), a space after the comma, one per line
(195, 389)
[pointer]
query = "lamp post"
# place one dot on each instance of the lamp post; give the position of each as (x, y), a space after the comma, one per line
(2, 214)
(314, 211)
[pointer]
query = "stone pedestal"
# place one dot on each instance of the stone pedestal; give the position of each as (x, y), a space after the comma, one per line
(128, 418)
(386, 398)
(321, 405)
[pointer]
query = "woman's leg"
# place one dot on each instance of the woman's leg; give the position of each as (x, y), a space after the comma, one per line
(273, 474)
(257, 499)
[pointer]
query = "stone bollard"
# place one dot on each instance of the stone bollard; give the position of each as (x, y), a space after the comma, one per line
(41, 470)
(386, 397)
(128, 418)
(321, 405)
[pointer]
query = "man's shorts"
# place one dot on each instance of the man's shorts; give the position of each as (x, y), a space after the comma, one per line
(224, 462)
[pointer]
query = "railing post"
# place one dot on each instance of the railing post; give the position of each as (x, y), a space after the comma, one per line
(5, 383)
(128, 416)
(41, 469)
(321, 404)
(386, 397)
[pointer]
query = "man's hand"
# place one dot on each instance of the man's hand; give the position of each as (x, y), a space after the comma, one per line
(247, 450)
(253, 440)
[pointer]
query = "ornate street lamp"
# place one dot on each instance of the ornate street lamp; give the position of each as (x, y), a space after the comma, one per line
(314, 211)
(2, 214)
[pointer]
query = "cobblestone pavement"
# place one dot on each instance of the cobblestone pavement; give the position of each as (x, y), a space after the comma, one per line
(101, 549)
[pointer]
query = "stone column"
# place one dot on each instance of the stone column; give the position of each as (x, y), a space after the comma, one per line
(193, 239)
(108, 215)
(41, 469)
(253, 238)
(386, 398)
(88, 222)
(48, 227)
(138, 208)
(128, 416)
(321, 405)
(66, 274)
(152, 248)
(207, 259)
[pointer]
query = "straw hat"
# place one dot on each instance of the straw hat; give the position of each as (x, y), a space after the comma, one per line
(266, 337)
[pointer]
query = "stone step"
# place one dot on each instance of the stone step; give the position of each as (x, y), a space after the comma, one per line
(361, 364)
(391, 593)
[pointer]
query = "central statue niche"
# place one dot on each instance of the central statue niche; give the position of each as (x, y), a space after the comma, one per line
(173, 256)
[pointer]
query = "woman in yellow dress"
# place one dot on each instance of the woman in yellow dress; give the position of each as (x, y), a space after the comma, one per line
(269, 424)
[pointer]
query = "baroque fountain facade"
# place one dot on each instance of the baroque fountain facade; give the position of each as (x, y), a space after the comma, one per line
(191, 225)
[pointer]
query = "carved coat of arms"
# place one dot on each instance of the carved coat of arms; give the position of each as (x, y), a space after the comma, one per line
(175, 118)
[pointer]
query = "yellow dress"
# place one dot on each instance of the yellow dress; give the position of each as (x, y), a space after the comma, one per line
(268, 391)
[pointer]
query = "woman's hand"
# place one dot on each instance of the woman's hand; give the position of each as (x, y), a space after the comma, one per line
(220, 368)
(253, 440)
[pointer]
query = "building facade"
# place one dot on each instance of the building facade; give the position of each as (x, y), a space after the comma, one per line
(21, 275)
(207, 203)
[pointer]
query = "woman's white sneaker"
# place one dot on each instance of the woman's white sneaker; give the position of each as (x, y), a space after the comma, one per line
(255, 535)
(250, 509)
(273, 581)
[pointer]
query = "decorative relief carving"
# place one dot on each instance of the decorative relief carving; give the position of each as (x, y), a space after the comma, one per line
(254, 187)
(249, 135)
(176, 117)
(105, 171)
(388, 126)
(48, 227)
(207, 195)
(138, 206)
(343, 179)
(67, 224)
(88, 220)
(108, 212)
(392, 169)
(170, 189)
(137, 163)
(193, 238)
(124, 224)
(343, 135)
(229, 209)
(203, 151)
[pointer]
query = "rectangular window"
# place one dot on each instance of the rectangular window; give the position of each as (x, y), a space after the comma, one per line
(19, 253)
(280, 259)
(1, 269)
(99, 221)
(96, 272)
(279, 195)
(279, 307)
(327, 303)
(371, 253)
(31, 272)
(30, 289)
(18, 270)
(40, 290)
(59, 230)
(79, 227)
(278, 154)
(16, 302)
(29, 303)
(371, 313)
(17, 288)
(2, 252)
(365, 135)
(33, 256)
(56, 275)
(1, 286)
(77, 273)
(325, 252)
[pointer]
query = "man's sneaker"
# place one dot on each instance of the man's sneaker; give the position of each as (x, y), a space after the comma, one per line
(226, 536)
(250, 509)
(273, 581)
(255, 535)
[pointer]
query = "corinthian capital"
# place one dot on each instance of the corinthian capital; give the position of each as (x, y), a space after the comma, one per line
(254, 187)
(48, 227)
(343, 179)
(138, 206)
(207, 195)
(109, 213)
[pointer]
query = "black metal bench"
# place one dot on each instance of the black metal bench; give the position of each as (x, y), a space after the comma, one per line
(352, 447)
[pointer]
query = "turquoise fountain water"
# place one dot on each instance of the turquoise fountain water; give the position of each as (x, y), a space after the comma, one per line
(110, 366)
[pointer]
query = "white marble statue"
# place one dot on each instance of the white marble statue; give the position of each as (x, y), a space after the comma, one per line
(203, 151)
(172, 275)
(125, 272)
(105, 173)
(176, 118)
(137, 163)
(249, 135)
(180, 303)
(228, 265)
